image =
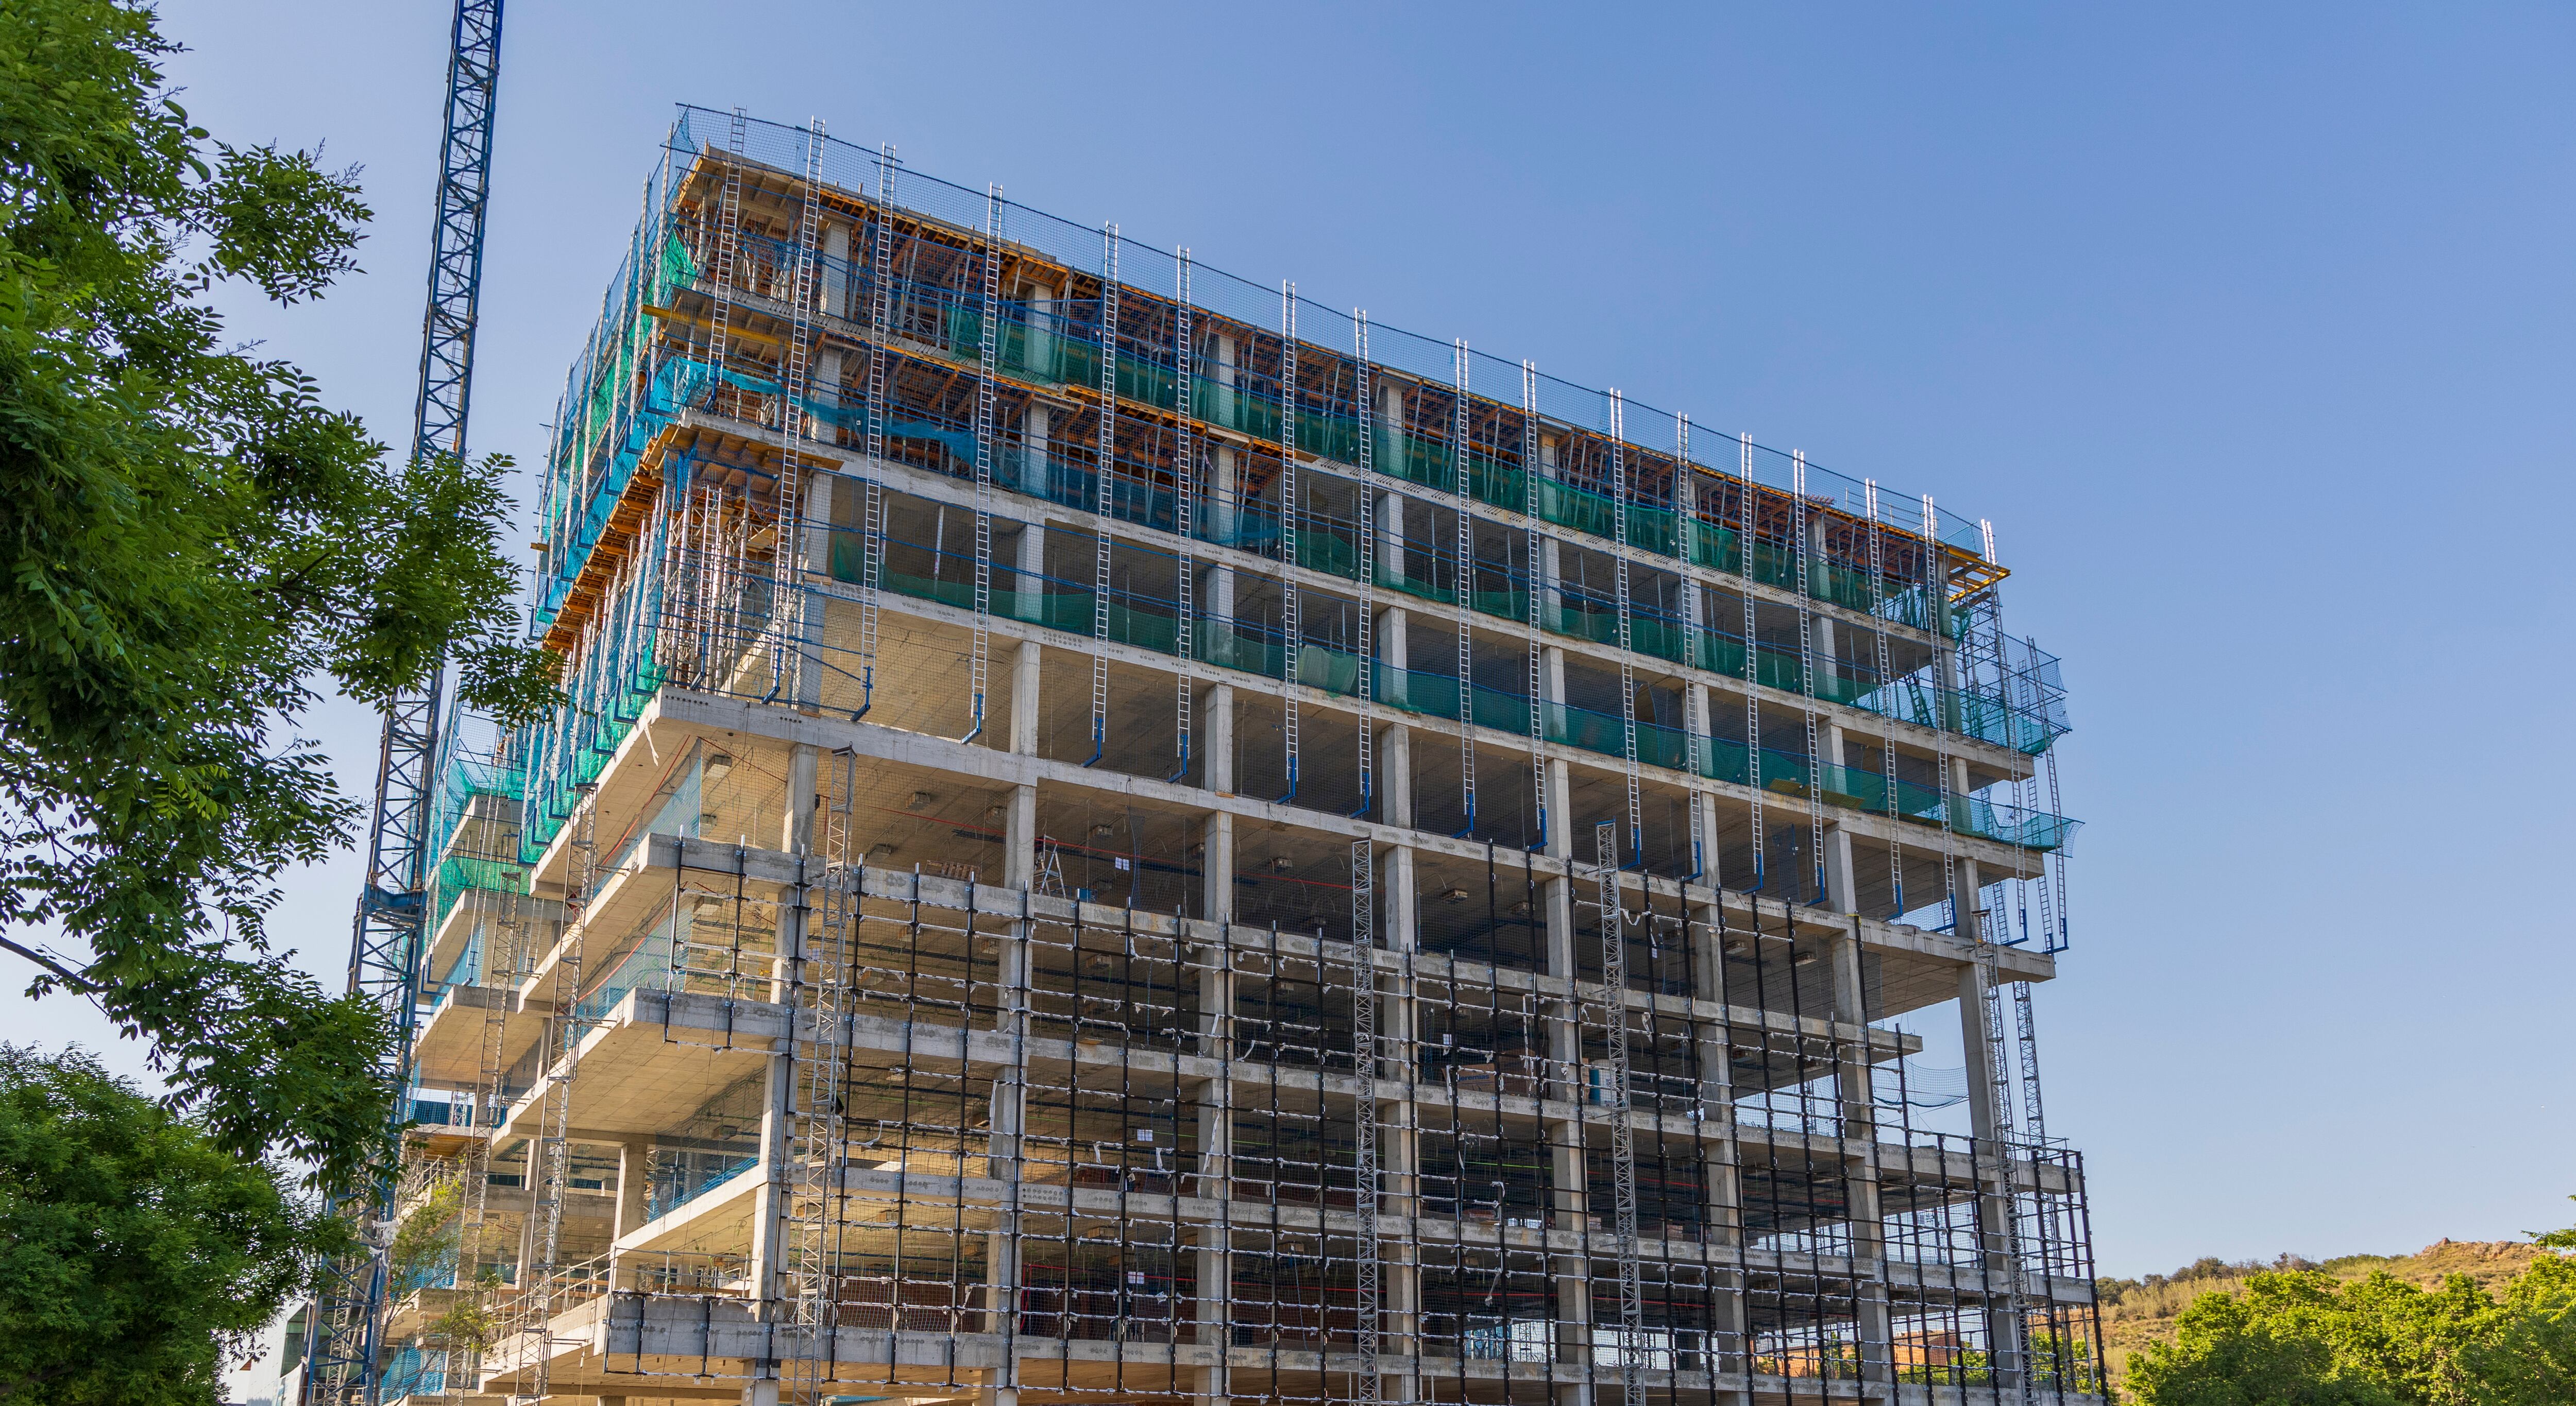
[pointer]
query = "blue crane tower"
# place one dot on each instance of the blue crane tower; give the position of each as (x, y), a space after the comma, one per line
(342, 1365)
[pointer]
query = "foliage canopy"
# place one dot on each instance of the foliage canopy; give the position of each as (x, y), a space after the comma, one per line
(195, 545)
(136, 1256)
(2301, 1337)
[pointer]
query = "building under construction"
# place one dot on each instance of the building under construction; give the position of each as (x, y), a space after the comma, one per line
(1118, 836)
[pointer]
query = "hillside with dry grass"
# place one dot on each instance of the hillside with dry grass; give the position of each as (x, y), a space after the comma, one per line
(2136, 1312)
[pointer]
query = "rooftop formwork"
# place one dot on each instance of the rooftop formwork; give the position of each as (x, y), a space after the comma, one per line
(1119, 836)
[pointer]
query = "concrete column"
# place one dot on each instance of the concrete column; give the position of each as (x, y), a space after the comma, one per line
(1551, 582)
(769, 1209)
(770, 1197)
(1719, 1163)
(634, 1181)
(528, 1222)
(1570, 1194)
(1212, 1315)
(1827, 676)
(1716, 1070)
(1027, 666)
(796, 823)
(1009, 1113)
(1395, 775)
(1393, 653)
(836, 269)
(1840, 882)
(1041, 342)
(1842, 892)
(1390, 537)
(1695, 714)
(1390, 424)
(1216, 866)
(1400, 1142)
(1560, 811)
(1220, 409)
(1216, 595)
(823, 386)
(1970, 918)
(815, 556)
(1568, 1177)
(1036, 448)
(1860, 1173)
(1215, 1149)
(1029, 568)
(1993, 1155)
(1400, 1147)
(1399, 927)
(1842, 889)
(1983, 1116)
(1216, 713)
(1028, 576)
(1225, 492)
(1020, 839)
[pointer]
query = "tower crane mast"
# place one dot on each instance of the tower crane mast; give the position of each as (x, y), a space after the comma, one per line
(343, 1364)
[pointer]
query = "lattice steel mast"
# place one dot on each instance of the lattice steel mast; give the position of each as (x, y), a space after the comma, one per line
(384, 954)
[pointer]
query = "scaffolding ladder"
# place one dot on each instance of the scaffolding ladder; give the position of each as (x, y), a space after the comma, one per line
(1458, 440)
(1104, 494)
(872, 511)
(1292, 641)
(987, 391)
(788, 663)
(1364, 393)
(505, 953)
(1746, 525)
(1364, 1051)
(1694, 718)
(1945, 712)
(1808, 569)
(2064, 932)
(1887, 725)
(2012, 1353)
(551, 1158)
(1623, 1133)
(1185, 477)
(1536, 541)
(819, 1001)
(2034, 1116)
(1627, 643)
(728, 251)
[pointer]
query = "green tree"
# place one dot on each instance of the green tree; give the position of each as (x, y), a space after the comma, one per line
(2305, 1337)
(137, 1257)
(2227, 1350)
(2531, 1360)
(193, 546)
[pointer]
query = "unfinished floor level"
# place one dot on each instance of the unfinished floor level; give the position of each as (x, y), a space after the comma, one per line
(1120, 837)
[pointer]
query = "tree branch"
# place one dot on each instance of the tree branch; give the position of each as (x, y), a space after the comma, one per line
(76, 980)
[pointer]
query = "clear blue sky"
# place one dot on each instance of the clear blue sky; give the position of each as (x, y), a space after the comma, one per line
(2249, 327)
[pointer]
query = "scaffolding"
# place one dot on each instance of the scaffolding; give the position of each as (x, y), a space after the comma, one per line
(1056, 878)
